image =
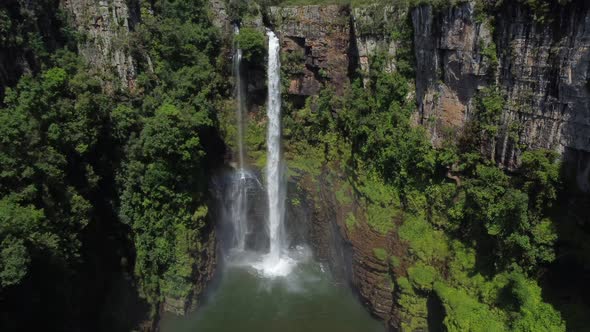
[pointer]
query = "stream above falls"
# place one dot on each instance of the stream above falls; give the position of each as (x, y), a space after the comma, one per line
(306, 300)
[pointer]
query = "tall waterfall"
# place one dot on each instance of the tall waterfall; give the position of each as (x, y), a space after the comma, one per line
(242, 200)
(239, 194)
(275, 263)
(274, 172)
(240, 98)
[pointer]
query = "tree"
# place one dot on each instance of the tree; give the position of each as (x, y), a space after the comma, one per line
(532, 314)
(502, 212)
(252, 43)
(23, 231)
(540, 171)
(163, 202)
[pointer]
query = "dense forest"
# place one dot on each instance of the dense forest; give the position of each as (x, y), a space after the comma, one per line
(105, 189)
(104, 181)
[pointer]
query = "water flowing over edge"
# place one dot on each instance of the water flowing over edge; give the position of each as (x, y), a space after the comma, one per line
(275, 263)
(239, 191)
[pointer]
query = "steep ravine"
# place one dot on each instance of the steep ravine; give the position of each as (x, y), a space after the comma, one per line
(542, 68)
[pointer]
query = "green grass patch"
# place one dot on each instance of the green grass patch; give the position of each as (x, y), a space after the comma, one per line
(426, 243)
(343, 194)
(465, 313)
(422, 276)
(306, 160)
(380, 254)
(395, 261)
(383, 204)
(380, 218)
(414, 307)
(350, 222)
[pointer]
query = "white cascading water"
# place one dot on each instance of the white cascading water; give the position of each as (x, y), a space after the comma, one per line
(276, 199)
(241, 101)
(275, 263)
(239, 189)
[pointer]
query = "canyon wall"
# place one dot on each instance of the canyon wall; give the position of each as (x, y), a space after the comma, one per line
(318, 37)
(104, 32)
(541, 70)
(104, 27)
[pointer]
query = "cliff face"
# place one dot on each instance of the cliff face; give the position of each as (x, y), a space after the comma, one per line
(348, 252)
(541, 69)
(450, 67)
(317, 37)
(104, 27)
(33, 30)
(203, 272)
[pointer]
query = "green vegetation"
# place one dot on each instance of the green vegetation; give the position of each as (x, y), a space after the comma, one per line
(90, 176)
(380, 254)
(86, 169)
(252, 43)
(164, 178)
(466, 236)
(48, 170)
(426, 243)
(464, 313)
(422, 276)
(163, 208)
(382, 205)
(351, 222)
(394, 261)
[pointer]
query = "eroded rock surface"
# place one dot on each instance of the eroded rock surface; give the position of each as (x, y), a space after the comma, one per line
(542, 70)
(105, 26)
(320, 37)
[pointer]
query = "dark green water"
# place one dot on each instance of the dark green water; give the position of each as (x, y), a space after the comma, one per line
(307, 300)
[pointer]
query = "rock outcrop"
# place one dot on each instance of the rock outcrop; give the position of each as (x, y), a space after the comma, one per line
(315, 40)
(543, 71)
(104, 27)
(450, 66)
(371, 37)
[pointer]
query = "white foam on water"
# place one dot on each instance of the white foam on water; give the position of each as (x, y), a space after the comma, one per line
(271, 267)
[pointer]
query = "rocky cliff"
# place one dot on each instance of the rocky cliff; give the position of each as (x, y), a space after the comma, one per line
(317, 37)
(541, 69)
(104, 28)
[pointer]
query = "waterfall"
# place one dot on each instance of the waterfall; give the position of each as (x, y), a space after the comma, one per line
(239, 194)
(240, 98)
(275, 263)
(274, 172)
(247, 236)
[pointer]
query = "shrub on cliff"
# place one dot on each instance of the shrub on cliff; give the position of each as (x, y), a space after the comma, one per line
(532, 314)
(465, 313)
(252, 43)
(164, 209)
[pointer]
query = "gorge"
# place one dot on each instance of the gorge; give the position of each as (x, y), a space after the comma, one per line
(291, 291)
(295, 165)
